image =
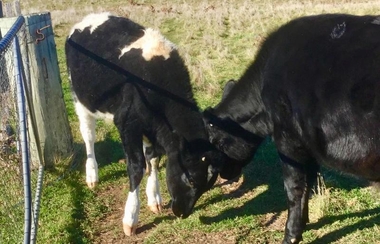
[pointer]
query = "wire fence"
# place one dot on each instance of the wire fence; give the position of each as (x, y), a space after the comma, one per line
(20, 177)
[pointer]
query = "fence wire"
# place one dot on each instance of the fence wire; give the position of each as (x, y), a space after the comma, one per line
(13, 220)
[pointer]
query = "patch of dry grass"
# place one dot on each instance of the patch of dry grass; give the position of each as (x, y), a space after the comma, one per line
(217, 39)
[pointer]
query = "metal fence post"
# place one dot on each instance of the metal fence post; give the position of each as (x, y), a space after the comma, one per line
(23, 142)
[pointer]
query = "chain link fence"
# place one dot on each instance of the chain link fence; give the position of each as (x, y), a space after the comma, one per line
(17, 174)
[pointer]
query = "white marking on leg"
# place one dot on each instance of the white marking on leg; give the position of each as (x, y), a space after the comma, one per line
(153, 43)
(153, 188)
(131, 212)
(91, 20)
(87, 129)
(146, 144)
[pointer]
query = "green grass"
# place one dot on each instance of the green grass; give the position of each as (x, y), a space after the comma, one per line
(218, 40)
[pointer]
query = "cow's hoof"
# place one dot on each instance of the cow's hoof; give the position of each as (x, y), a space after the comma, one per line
(292, 241)
(92, 185)
(156, 208)
(128, 230)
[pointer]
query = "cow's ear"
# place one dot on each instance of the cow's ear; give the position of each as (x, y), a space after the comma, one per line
(231, 168)
(230, 171)
(227, 88)
(208, 114)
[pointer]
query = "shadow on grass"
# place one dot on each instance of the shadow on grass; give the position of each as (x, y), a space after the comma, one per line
(152, 225)
(266, 170)
(75, 191)
(108, 151)
(338, 234)
(78, 213)
(263, 170)
(73, 177)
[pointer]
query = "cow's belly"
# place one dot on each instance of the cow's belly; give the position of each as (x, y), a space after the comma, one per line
(367, 166)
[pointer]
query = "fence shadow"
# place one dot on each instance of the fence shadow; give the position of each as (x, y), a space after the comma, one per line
(78, 212)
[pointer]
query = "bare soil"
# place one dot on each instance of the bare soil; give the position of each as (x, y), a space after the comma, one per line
(109, 228)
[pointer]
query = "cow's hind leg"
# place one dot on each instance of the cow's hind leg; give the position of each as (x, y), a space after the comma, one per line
(87, 129)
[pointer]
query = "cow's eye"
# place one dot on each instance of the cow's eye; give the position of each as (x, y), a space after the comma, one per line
(211, 124)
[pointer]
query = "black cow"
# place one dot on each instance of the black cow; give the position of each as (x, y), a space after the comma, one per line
(134, 76)
(314, 87)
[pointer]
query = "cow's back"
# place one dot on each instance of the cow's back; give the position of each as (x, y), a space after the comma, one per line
(96, 86)
(120, 66)
(322, 87)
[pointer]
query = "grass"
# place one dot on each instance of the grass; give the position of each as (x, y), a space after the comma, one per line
(218, 40)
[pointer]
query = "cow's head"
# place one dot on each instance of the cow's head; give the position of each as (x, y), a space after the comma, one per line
(229, 136)
(191, 172)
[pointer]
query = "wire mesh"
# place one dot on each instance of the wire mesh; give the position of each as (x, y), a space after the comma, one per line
(11, 168)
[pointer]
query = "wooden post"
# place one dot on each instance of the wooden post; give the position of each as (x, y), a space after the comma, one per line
(44, 84)
(46, 91)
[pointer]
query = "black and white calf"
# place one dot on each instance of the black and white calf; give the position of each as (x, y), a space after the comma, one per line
(314, 87)
(154, 101)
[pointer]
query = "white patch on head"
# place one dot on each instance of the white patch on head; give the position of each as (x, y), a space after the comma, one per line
(152, 43)
(91, 20)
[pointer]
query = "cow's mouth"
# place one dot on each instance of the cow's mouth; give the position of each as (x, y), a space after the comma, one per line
(181, 210)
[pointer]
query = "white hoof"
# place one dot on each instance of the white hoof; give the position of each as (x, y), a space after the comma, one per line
(129, 230)
(92, 185)
(155, 208)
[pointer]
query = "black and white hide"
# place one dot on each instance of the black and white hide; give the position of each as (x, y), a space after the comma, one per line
(134, 76)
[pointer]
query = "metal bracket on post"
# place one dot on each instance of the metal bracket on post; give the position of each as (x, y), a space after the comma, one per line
(40, 35)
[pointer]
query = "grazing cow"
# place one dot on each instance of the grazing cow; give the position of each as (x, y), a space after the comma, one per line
(314, 87)
(134, 76)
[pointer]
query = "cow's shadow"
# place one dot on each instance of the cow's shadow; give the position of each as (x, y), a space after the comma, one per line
(335, 235)
(265, 169)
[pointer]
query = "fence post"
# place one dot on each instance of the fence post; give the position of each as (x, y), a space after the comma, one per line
(46, 91)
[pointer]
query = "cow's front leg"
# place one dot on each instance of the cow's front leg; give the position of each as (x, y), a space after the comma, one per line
(136, 168)
(295, 183)
(131, 138)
